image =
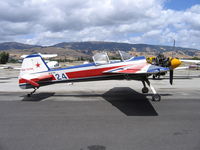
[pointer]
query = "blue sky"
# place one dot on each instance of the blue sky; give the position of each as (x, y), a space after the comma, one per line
(180, 4)
(48, 22)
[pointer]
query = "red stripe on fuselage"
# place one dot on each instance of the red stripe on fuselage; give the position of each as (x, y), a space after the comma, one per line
(133, 69)
(90, 73)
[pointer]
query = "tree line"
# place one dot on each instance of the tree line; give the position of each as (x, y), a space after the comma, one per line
(4, 56)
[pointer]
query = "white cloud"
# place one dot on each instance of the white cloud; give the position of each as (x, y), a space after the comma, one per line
(47, 22)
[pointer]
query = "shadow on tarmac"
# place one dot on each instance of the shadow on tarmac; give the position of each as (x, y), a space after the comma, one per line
(38, 97)
(130, 102)
(127, 100)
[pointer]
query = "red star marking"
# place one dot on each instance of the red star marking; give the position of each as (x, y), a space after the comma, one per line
(37, 65)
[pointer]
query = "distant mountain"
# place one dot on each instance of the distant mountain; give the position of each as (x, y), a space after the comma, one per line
(100, 46)
(113, 46)
(75, 50)
(15, 45)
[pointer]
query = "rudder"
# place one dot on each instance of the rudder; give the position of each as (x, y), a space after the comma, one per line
(33, 64)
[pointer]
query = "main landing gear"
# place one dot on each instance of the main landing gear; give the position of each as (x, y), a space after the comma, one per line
(35, 88)
(155, 97)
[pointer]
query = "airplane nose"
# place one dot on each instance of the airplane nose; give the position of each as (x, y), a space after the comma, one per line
(175, 63)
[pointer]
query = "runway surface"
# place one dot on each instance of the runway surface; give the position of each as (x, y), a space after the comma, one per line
(105, 115)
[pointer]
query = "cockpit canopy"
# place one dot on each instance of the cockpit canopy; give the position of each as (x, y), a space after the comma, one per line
(125, 56)
(102, 58)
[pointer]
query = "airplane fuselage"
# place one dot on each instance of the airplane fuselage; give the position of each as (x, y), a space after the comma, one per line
(87, 72)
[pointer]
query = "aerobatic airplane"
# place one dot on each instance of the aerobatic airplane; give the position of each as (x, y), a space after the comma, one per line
(36, 73)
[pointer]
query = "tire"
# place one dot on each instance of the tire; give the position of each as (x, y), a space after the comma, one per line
(156, 97)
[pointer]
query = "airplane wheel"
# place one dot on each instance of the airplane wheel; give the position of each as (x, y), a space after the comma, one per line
(28, 95)
(145, 90)
(156, 97)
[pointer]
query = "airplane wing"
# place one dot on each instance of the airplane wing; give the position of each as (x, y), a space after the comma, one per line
(35, 84)
(191, 61)
(182, 68)
(138, 69)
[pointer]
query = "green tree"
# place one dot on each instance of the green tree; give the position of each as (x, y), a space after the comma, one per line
(4, 56)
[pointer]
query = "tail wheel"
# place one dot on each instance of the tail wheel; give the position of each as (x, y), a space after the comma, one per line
(156, 97)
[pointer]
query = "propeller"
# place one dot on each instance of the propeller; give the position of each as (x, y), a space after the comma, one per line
(171, 72)
(171, 76)
(167, 62)
(174, 62)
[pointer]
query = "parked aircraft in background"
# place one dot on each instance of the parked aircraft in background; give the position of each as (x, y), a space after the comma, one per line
(36, 73)
(9, 67)
(190, 61)
(43, 55)
(195, 63)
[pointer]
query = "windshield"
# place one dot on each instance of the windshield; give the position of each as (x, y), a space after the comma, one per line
(125, 55)
(101, 58)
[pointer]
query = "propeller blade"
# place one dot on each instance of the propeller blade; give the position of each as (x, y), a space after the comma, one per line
(171, 76)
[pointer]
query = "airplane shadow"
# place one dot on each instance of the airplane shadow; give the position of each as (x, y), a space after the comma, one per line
(130, 102)
(125, 99)
(38, 97)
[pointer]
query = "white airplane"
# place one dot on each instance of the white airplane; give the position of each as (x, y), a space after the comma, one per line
(196, 63)
(43, 55)
(36, 73)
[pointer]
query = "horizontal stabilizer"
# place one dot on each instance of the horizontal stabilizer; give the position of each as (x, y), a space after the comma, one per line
(31, 82)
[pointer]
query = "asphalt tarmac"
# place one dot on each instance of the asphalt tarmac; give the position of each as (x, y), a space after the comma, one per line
(103, 115)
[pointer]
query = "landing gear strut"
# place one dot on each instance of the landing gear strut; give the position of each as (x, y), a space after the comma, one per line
(155, 97)
(144, 89)
(35, 88)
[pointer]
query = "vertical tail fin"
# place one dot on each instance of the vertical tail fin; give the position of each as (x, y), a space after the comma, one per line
(33, 64)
